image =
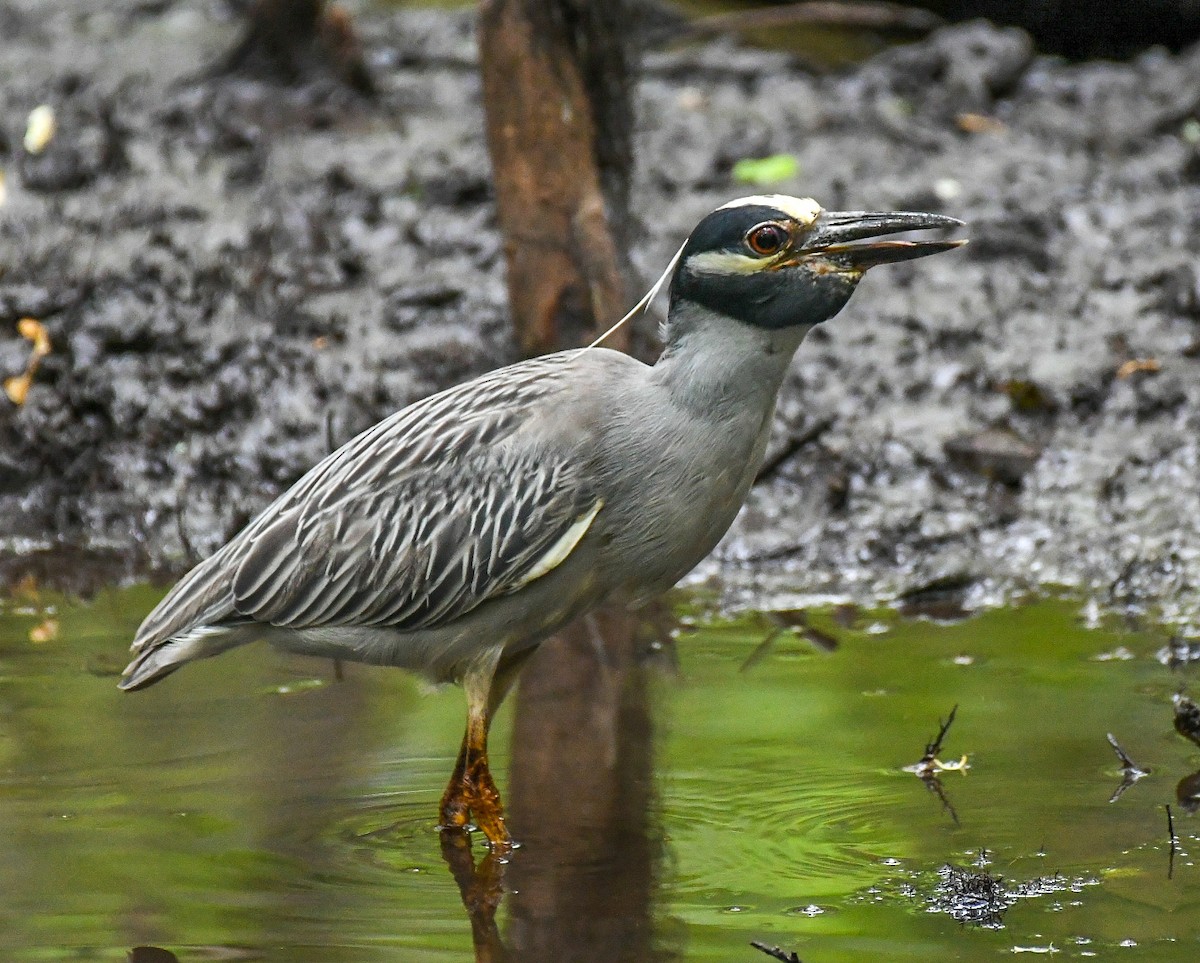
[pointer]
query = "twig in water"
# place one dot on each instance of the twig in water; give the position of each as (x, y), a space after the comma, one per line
(930, 766)
(1174, 843)
(1131, 772)
(776, 953)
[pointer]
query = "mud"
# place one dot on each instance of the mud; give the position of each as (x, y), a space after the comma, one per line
(235, 277)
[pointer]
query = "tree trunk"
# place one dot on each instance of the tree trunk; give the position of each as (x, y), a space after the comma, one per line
(556, 78)
(293, 40)
(580, 788)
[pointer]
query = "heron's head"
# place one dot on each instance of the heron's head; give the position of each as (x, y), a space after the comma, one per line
(780, 262)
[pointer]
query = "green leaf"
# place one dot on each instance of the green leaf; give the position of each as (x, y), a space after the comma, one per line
(766, 170)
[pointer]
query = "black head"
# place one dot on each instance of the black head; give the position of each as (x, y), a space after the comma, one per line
(777, 262)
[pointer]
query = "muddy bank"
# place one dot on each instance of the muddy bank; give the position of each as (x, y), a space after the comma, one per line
(234, 278)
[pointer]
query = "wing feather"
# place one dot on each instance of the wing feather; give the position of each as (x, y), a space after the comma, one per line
(463, 533)
(360, 535)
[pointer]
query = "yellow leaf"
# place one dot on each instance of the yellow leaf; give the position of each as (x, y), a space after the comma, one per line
(45, 631)
(40, 128)
(17, 388)
(31, 329)
(980, 124)
(1135, 365)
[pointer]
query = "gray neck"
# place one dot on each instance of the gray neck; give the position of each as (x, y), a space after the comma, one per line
(713, 363)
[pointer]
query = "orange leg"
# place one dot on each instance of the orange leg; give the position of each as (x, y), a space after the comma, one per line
(456, 800)
(487, 810)
(472, 793)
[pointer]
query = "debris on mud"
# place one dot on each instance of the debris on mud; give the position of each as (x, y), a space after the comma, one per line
(231, 273)
(972, 895)
(1187, 717)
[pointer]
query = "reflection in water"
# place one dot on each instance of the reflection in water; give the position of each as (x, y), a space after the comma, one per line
(928, 768)
(290, 786)
(1188, 793)
(151, 954)
(580, 791)
(482, 888)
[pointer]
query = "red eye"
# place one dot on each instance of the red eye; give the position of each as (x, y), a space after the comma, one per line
(767, 239)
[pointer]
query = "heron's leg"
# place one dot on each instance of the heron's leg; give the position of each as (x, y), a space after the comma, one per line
(481, 700)
(455, 800)
(487, 810)
(472, 792)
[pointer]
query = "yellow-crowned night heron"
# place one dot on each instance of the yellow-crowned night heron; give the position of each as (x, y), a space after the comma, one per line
(457, 534)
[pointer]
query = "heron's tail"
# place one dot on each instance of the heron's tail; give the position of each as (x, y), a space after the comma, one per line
(159, 661)
(196, 619)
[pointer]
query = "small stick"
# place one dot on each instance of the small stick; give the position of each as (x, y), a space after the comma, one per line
(793, 445)
(933, 748)
(776, 953)
(929, 766)
(1174, 842)
(1122, 756)
(1131, 772)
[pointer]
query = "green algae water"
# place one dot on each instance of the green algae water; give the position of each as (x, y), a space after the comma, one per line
(254, 807)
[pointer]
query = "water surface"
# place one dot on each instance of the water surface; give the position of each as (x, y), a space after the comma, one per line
(673, 807)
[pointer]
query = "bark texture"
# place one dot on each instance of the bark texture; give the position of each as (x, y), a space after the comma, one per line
(556, 85)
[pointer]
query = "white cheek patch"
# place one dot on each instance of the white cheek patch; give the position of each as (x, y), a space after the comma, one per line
(723, 262)
(803, 210)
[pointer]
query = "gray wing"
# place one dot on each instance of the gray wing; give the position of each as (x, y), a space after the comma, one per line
(418, 553)
(412, 524)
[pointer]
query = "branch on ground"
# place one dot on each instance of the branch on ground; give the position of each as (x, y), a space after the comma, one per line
(292, 41)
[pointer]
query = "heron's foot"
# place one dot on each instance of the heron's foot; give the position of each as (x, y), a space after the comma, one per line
(487, 810)
(472, 796)
(455, 809)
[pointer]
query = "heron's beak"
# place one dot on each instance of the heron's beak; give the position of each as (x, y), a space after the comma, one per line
(835, 235)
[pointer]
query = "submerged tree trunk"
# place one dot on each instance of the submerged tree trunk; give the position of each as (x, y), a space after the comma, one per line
(294, 40)
(580, 791)
(556, 86)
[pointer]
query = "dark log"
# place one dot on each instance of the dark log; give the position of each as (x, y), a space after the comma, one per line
(556, 77)
(292, 41)
(580, 789)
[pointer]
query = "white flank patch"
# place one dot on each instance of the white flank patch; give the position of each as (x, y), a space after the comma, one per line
(564, 546)
(803, 210)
